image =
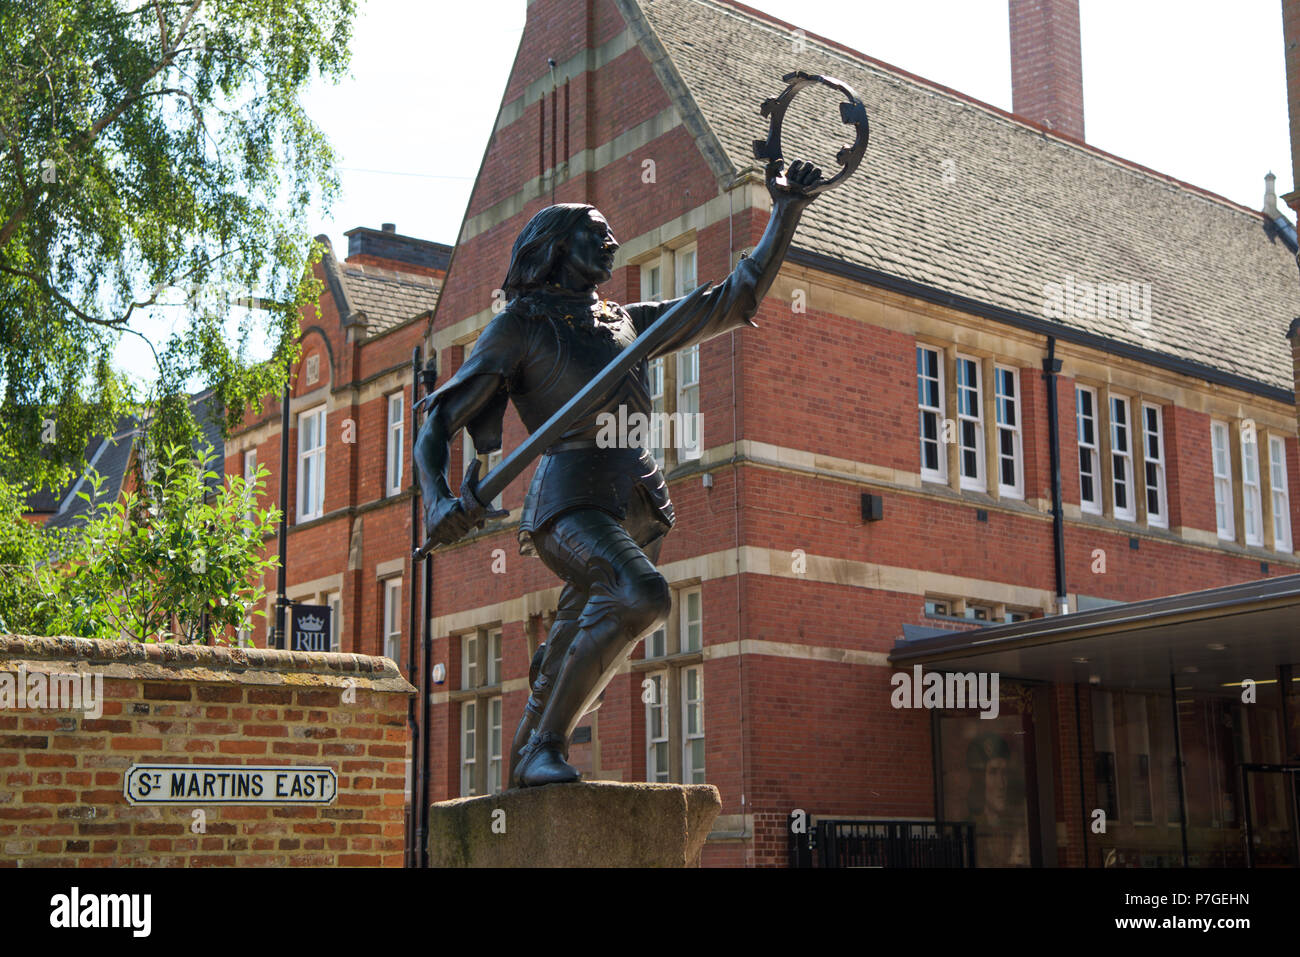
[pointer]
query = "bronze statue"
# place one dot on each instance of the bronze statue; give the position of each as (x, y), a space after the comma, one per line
(595, 516)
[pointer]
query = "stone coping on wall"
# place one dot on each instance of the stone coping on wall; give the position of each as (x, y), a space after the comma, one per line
(175, 662)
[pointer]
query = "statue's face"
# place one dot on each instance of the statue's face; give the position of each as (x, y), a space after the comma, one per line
(591, 250)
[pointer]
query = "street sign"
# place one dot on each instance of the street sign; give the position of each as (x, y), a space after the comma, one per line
(309, 629)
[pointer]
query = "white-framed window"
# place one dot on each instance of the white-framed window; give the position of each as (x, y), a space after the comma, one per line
(656, 645)
(481, 767)
(1153, 464)
(1281, 495)
(250, 476)
(393, 619)
(692, 633)
(975, 610)
(494, 657)
(658, 767)
(688, 364)
(494, 780)
(929, 388)
(393, 476)
(1006, 394)
(693, 725)
(658, 406)
(1252, 502)
(493, 460)
(1089, 474)
(652, 291)
(684, 270)
(469, 661)
(673, 693)
(1121, 459)
(688, 403)
(335, 602)
(673, 381)
(480, 659)
(490, 461)
(468, 747)
(651, 283)
(311, 464)
(1221, 454)
(970, 424)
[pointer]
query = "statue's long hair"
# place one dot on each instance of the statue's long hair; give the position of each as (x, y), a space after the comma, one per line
(541, 246)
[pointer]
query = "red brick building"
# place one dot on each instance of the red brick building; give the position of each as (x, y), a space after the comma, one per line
(875, 478)
(349, 498)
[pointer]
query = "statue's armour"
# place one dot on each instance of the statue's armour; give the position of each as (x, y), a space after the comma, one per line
(543, 348)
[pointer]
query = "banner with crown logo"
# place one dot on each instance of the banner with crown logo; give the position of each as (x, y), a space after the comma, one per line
(310, 628)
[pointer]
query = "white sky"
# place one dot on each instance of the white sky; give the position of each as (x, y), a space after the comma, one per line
(1193, 89)
(1190, 88)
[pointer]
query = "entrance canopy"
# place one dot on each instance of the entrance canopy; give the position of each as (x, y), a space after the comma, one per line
(1207, 639)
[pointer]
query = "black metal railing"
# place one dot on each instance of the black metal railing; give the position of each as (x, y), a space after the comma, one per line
(882, 844)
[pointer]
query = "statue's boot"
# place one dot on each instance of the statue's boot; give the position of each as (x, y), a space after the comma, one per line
(542, 674)
(589, 662)
(612, 622)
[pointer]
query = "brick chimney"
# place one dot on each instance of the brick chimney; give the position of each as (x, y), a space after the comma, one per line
(388, 248)
(1046, 65)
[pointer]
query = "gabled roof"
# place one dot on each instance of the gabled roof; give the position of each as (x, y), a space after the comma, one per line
(386, 297)
(373, 296)
(962, 197)
(111, 456)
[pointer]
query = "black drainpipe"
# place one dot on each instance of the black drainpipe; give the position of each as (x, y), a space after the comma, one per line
(413, 820)
(1051, 367)
(430, 378)
(425, 691)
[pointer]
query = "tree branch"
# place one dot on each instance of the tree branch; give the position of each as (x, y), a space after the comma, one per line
(162, 28)
(117, 324)
(80, 142)
(16, 153)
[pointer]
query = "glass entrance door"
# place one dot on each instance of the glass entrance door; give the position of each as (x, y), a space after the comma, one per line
(1271, 798)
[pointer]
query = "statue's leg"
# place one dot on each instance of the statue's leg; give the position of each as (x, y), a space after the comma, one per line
(627, 597)
(562, 632)
(651, 551)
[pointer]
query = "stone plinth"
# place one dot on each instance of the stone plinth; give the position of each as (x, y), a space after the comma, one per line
(588, 824)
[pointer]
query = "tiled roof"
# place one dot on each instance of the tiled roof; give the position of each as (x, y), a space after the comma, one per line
(955, 195)
(388, 298)
(111, 458)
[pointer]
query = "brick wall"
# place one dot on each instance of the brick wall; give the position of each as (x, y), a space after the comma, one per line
(61, 771)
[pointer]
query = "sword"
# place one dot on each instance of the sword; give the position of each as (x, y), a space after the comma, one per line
(478, 495)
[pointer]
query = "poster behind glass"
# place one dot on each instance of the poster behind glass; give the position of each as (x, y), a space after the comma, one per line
(984, 774)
